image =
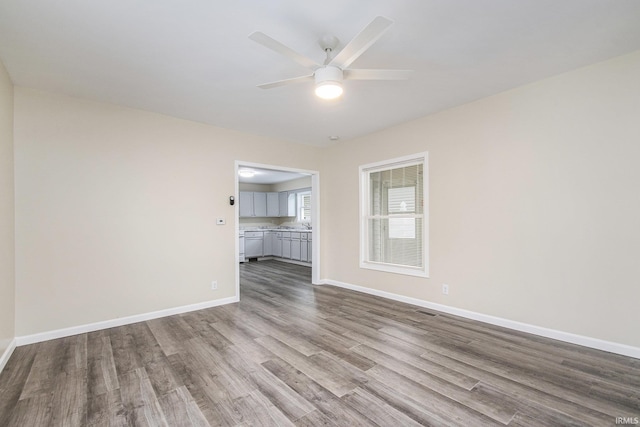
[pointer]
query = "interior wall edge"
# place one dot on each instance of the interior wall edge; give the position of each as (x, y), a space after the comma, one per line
(7, 218)
(122, 321)
(568, 337)
(7, 354)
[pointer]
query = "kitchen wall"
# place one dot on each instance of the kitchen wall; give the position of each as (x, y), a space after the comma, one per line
(534, 204)
(294, 184)
(245, 186)
(116, 209)
(7, 278)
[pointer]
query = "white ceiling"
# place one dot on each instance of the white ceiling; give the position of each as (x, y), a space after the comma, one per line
(268, 176)
(192, 58)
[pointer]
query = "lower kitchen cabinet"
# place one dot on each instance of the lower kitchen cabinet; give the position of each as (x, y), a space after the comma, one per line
(286, 244)
(295, 246)
(304, 251)
(268, 243)
(277, 244)
(291, 245)
(295, 250)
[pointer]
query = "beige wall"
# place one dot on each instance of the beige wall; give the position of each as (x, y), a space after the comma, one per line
(534, 203)
(116, 209)
(7, 282)
(533, 195)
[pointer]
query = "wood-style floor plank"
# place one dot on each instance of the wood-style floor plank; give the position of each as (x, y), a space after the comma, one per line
(102, 372)
(293, 354)
(180, 409)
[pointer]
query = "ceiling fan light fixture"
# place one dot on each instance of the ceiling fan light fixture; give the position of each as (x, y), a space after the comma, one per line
(329, 90)
(328, 82)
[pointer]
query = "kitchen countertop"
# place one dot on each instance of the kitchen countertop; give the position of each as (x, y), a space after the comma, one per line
(299, 230)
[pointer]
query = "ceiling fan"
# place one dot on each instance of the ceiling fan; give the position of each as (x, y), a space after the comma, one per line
(329, 76)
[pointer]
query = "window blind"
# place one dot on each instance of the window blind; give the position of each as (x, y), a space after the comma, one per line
(395, 215)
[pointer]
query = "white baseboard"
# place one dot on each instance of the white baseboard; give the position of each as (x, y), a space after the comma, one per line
(287, 260)
(91, 327)
(612, 347)
(4, 358)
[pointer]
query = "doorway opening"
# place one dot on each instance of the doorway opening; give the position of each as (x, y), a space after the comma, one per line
(277, 216)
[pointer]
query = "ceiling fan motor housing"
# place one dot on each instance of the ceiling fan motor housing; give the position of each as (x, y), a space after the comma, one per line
(328, 73)
(328, 82)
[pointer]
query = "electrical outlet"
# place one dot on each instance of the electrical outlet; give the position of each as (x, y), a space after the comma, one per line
(214, 285)
(445, 289)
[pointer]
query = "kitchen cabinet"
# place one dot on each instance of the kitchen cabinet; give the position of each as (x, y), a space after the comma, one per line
(304, 247)
(259, 204)
(277, 244)
(246, 204)
(268, 204)
(253, 244)
(267, 244)
(291, 245)
(295, 246)
(286, 244)
(283, 200)
(273, 204)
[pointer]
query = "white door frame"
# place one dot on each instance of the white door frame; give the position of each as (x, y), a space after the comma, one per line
(315, 216)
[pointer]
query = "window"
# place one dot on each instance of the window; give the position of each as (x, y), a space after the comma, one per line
(304, 206)
(394, 220)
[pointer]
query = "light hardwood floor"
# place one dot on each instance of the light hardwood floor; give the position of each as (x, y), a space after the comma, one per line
(293, 354)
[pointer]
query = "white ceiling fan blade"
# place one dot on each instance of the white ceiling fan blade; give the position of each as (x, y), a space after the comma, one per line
(361, 42)
(362, 74)
(276, 46)
(286, 82)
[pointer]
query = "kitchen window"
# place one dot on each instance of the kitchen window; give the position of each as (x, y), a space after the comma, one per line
(304, 206)
(394, 216)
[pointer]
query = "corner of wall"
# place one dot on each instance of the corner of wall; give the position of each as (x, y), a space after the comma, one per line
(7, 220)
(6, 355)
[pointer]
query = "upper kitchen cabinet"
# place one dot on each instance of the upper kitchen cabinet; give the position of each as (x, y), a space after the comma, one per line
(283, 203)
(246, 204)
(273, 205)
(259, 204)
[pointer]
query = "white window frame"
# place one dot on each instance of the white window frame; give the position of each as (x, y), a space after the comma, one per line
(365, 193)
(300, 208)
